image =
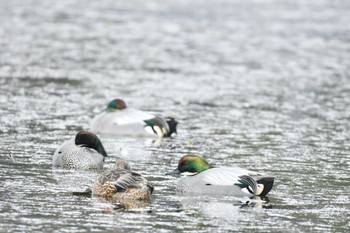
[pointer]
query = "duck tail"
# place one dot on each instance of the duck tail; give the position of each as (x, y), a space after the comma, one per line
(257, 185)
(86, 193)
(249, 183)
(150, 187)
(163, 127)
(265, 184)
(158, 125)
(172, 123)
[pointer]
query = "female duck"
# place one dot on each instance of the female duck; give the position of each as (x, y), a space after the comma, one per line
(85, 152)
(202, 178)
(117, 119)
(121, 184)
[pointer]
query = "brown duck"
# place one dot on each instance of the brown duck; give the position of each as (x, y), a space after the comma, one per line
(122, 184)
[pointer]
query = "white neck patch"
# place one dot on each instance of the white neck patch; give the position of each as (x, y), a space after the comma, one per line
(188, 173)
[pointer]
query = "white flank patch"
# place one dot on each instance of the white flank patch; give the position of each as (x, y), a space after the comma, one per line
(188, 173)
(260, 189)
(158, 130)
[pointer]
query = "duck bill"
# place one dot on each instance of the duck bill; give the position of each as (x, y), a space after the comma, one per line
(174, 172)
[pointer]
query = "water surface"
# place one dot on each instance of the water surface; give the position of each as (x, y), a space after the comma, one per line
(259, 84)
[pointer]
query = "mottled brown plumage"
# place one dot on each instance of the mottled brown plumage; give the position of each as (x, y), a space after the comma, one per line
(121, 184)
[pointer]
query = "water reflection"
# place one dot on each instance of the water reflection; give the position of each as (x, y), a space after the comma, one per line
(135, 204)
(225, 208)
(257, 202)
(114, 204)
(74, 181)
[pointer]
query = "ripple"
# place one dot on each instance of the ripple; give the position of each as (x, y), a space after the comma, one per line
(259, 84)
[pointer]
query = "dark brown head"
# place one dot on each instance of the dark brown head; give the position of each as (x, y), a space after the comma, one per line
(89, 139)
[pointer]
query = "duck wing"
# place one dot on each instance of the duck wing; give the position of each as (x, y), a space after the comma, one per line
(129, 116)
(128, 180)
(230, 176)
(218, 176)
(248, 182)
(109, 176)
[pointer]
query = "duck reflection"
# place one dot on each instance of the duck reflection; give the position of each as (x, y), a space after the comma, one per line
(225, 208)
(116, 204)
(257, 202)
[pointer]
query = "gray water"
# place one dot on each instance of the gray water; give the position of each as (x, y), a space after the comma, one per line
(259, 84)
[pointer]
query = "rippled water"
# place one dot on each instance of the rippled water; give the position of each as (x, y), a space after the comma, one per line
(261, 84)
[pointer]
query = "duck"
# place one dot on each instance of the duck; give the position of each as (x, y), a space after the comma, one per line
(122, 184)
(118, 120)
(202, 178)
(84, 152)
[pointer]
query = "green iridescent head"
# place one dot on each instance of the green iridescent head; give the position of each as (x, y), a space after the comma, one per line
(115, 104)
(191, 164)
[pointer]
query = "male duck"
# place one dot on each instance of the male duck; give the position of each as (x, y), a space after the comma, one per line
(202, 178)
(85, 152)
(121, 184)
(117, 119)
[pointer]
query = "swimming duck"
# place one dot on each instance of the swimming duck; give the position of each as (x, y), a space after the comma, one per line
(202, 178)
(117, 119)
(122, 184)
(84, 152)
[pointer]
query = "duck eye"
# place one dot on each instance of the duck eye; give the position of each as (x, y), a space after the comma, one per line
(60, 152)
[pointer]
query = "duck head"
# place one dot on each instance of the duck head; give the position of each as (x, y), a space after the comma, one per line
(121, 165)
(89, 139)
(190, 165)
(115, 104)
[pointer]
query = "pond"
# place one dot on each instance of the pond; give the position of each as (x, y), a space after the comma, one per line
(259, 84)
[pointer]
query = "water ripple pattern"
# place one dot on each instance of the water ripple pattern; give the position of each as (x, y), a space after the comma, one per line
(260, 84)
